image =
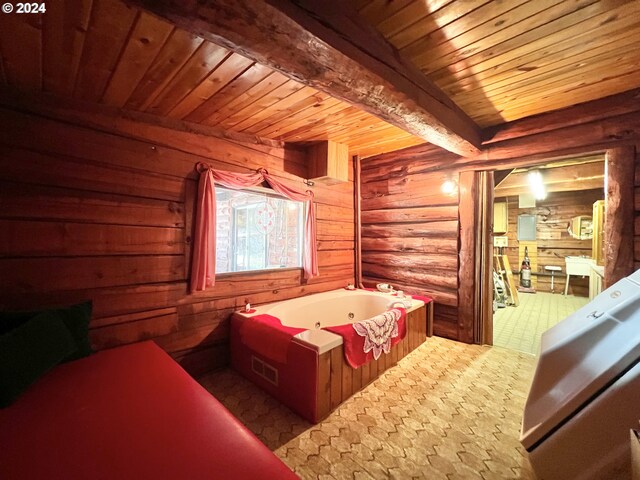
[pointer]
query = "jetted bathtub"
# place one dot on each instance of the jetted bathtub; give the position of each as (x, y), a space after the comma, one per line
(312, 377)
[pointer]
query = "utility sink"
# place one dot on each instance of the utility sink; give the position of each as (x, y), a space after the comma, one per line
(578, 265)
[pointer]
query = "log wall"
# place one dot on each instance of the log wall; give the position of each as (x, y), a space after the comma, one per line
(101, 208)
(408, 220)
(619, 230)
(410, 231)
(553, 240)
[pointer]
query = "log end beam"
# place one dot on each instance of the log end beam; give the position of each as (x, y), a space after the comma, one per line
(306, 42)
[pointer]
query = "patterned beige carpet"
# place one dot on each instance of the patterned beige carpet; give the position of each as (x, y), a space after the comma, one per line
(446, 411)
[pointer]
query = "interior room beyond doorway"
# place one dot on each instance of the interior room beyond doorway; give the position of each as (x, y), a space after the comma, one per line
(548, 248)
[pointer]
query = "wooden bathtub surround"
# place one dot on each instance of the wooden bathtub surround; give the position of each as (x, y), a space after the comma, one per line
(100, 207)
(313, 384)
(325, 45)
(337, 380)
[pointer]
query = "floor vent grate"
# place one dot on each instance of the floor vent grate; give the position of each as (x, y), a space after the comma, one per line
(264, 370)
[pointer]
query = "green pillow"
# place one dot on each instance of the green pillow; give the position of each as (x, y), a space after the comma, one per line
(29, 351)
(11, 320)
(76, 318)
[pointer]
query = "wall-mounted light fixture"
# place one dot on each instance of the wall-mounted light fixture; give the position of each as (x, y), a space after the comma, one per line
(449, 186)
(536, 184)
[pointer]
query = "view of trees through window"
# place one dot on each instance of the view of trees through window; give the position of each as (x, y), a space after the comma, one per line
(257, 231)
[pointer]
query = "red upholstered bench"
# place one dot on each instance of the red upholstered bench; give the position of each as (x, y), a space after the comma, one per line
(127, 413)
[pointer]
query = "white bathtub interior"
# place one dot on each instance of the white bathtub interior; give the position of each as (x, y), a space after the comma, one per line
(328, 309)
(314, 313)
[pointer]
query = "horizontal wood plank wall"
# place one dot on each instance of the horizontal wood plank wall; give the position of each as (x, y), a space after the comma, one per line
(410, 230)
(88, 213)
(553, 240)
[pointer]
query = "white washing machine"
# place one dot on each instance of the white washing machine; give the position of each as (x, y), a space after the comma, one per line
(585, 393)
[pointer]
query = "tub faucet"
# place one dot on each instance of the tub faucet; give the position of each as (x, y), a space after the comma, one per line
(403, 303)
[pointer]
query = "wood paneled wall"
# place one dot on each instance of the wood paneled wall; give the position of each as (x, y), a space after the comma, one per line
(105, 212)
(410, 231)
(396, 186)
(553, 240)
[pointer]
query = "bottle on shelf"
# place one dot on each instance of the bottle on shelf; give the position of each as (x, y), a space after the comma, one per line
(525, 270)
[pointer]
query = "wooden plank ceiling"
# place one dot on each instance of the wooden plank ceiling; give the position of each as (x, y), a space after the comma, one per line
(106, 52)
(505, 60)
(573, 175)
(498, 60)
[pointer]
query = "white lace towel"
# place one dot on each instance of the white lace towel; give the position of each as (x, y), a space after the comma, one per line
(378, 331)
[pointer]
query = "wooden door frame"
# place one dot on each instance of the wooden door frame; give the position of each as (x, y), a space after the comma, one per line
(619, 233)
(475, 212)
(483, 332)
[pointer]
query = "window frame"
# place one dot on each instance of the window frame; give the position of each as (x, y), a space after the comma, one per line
(268, 192)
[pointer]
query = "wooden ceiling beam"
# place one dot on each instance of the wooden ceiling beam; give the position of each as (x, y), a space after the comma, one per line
(329, 47)
(584, 129)
(620, 104)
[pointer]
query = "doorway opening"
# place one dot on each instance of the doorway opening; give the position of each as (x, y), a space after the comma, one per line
(548, 249)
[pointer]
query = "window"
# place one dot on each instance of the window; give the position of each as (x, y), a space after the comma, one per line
(256, 230)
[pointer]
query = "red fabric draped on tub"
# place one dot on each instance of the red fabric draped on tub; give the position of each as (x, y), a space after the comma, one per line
(266, 335)
(354, 343)
(203, 266)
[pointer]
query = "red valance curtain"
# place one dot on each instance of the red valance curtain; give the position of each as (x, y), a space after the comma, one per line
(203, 267)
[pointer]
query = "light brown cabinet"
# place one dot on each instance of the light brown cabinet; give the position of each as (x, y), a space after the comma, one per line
(328, 162)
(500, 218)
